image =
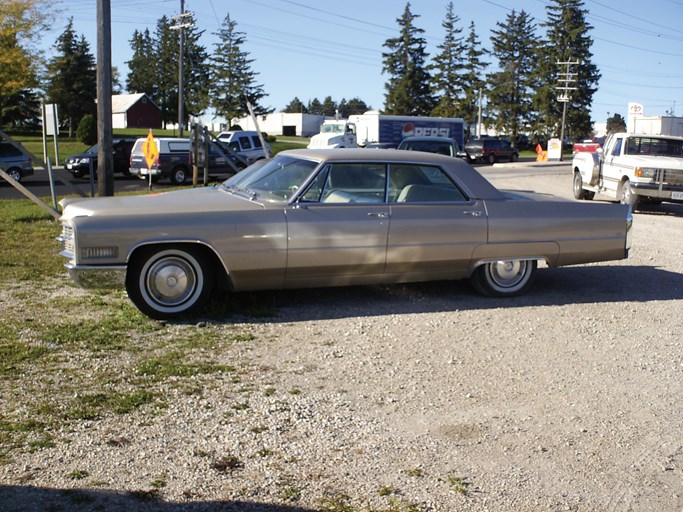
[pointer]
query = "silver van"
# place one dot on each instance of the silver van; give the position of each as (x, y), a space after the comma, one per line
(248, 144)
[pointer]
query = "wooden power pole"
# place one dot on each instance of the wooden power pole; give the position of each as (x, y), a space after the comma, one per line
(105, 156)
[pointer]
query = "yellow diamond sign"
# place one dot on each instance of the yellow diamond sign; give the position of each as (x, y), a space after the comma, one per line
(150, 150)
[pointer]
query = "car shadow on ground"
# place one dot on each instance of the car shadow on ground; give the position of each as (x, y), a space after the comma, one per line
(552, 287)
(29, 499)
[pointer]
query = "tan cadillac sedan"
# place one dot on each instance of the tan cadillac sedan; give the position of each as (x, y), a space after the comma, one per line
(312, 218)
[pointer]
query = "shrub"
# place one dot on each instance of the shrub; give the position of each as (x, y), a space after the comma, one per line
(87, 130)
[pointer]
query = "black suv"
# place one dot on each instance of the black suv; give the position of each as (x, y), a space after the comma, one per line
(14, 162)
(79, 165)
(490, 151)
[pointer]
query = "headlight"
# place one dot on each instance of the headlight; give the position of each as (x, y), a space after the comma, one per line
(99, 253)
(645, 172)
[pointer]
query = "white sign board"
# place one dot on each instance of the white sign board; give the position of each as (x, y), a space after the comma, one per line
(554, 149)
(51, 120)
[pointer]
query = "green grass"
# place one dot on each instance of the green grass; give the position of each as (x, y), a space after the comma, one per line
(83, 354)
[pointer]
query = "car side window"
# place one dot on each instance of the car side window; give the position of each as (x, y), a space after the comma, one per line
(422, 184)
(244, 141)
(354, 183)
(257, 142)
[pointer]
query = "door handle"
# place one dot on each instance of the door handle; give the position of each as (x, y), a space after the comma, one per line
(379, 215)
(472, 213)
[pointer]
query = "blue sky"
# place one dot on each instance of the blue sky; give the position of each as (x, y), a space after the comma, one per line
(312, 49)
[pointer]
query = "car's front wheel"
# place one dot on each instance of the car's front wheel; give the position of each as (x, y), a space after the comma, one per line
(166, 282)
(505, 278)
(491, 159)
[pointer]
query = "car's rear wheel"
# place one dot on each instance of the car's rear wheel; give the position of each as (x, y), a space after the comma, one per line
(15, 174)
(504, 278)
(166, 282)
(179, 175)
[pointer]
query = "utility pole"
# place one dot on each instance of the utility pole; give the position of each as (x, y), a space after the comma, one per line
(180, 23)
(105, 151)
(566, 80)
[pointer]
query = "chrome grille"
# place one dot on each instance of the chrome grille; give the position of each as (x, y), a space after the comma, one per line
(669, 176)
(67, 240)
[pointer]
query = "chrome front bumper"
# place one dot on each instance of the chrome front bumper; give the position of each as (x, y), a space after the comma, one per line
(98, 277)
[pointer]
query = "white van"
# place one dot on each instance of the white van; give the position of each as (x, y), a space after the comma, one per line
(248, 144)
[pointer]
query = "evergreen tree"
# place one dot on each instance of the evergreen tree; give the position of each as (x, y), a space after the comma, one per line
(315, 107)
(352, 107)
(510, 94)
(166, 47)
(567, 40)
(142, 65)
(22, 107)
(296, 107)
(408, 89)
(616, 123)
(72, 82)
(197, 73)
(473, 82)
(448, 66)
(234, 82)
(329, 107)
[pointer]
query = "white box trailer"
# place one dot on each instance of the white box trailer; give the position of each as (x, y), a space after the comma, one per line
(373, 127)
(658, 125)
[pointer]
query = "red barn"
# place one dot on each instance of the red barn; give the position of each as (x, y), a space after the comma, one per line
(134, 111)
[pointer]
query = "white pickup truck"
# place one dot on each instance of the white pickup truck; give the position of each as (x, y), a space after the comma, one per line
(632, 168)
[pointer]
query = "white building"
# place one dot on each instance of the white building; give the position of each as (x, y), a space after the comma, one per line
(281, 123)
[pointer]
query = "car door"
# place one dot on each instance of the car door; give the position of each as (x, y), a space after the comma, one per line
(435, 226)
(337, 232)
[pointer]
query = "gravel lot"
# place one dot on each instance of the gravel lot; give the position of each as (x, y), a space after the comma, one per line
(415, 397)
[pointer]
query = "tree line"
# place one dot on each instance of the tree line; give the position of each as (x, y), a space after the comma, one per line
(531, 60)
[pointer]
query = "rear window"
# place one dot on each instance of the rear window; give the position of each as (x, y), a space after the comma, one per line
(9, 150)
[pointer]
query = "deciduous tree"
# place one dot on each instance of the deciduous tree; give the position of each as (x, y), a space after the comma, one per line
(21, 23)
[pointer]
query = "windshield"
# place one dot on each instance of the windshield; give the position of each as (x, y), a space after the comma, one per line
(92, 149)
(333, 128)
(654, 146)
(275, 180)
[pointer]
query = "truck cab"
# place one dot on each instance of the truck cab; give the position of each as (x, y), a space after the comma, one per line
(335, 134)
(632, 168)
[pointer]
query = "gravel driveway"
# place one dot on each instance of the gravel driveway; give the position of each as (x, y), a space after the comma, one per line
(414, 397)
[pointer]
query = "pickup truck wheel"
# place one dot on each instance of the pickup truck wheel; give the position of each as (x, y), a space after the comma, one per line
(179, 175)
(577, 186)
(505, 278)
(626, 195)
(169, 282)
